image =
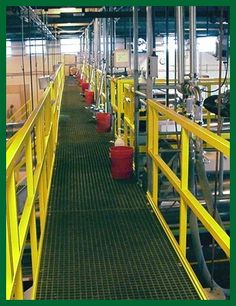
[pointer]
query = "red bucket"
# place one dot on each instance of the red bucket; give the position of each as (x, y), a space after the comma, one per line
(121, 162)
(89, 97)
(84, 85)
(103, 122)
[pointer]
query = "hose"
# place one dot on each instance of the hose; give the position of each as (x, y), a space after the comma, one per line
(194, 228)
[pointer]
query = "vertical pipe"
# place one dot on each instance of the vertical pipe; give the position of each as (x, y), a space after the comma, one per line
(193, 42)
(136, 108)
(111, 43)
(88, 53)
(104, 33)
(125, 39)
(95, 57)
(23, 65)
(106, 62)
(85, 46)
(106, 46)
(180, 42)
(99, 43)
(30, 61)
(167, 54)
(47, 45)
(36, 68)
(149, 30)
(96, 42)
(43, 45)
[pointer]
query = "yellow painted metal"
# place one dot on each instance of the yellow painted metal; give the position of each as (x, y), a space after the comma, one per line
(196, 283)
(20, 114)
(214, 140)
(155, 141)
(184, 186)
(35, 141)
(181, 185)
(117, 86)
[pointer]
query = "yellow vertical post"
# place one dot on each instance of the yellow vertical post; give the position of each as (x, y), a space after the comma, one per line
(9, 264)
(15, 240)
(184, 186)
(19, 293)
(40, 146)
(120, 109)
(150, 128)
(30, 193)
(155, 135)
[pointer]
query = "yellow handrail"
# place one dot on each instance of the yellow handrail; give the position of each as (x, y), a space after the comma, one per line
(20, 113)
(41, 128)
(155, 110)
(187, 200)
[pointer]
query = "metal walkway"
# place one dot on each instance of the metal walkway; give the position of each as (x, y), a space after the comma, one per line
(101, 239)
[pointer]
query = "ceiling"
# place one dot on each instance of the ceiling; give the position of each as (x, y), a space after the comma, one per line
(67, 22)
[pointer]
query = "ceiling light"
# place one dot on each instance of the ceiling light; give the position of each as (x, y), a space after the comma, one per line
(68, 10)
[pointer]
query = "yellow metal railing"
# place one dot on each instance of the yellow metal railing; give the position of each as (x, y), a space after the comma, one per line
(117, 99)
(21, 113)
(34, 148)
(123, 97)
(187, 199)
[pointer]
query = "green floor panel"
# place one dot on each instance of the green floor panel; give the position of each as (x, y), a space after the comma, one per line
(101, 239)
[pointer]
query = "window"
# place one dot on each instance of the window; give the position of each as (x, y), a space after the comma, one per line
(207, 44)
(8, 45)
(35, 46)
(70, 45)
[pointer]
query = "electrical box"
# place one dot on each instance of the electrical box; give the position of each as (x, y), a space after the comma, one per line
(122, 58)
(44, 81)
(153, 66)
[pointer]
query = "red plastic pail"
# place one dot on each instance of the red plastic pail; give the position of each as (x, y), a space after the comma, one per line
(121, 162)
(89, 97)
(103, 122)
(84, 85)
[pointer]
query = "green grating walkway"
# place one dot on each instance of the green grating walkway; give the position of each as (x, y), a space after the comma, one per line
(101, 240)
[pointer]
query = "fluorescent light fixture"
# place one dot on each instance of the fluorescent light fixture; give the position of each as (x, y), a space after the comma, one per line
(69, 24)
(67, 10)
(70, 31)
(63, 10)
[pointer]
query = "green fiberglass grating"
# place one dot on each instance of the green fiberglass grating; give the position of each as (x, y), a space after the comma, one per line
(101, 241)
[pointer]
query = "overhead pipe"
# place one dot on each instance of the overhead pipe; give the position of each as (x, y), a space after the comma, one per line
(180, 42)
(28, 14)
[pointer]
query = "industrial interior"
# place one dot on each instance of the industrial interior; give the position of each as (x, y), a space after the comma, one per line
(118, 153)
